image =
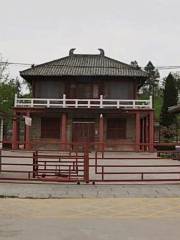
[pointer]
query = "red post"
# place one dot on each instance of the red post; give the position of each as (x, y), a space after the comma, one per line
(101, 132)
(147, 132)
(63, 131)
(0, 160)
(27, 135)
(86, 163)
(138, 127)
(142, 133)
(34, 164)
(151, 131)
(15, 133)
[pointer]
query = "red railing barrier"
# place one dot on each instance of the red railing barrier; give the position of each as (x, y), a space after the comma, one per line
(87, 166)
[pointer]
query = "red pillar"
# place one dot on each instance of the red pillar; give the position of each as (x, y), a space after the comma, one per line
(101, 131)
(147, 132)
(27, 135)
(151, 131)
(64, 131)
(15, 132)
(145, 135)
(142, 133)
(138, 127)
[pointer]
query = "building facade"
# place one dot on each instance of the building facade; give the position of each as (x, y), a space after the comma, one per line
(84, 98)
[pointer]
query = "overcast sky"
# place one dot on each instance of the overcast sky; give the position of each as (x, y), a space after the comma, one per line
(36, 31)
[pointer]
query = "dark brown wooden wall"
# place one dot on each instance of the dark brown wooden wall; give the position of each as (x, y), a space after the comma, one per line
(113, 88)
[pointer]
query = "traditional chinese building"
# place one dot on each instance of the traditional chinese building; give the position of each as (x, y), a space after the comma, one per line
(85, 98)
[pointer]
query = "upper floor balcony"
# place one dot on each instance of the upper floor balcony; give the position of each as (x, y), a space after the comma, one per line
(100, 103)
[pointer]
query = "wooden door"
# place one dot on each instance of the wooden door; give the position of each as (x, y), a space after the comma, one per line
(83, 132)
(50, 128)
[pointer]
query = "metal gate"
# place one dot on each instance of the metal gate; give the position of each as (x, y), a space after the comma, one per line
(44, 166)
(108, 166)
(94, 167)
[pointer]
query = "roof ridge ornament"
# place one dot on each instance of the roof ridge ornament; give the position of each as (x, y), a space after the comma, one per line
(102, 53)
(71, 51)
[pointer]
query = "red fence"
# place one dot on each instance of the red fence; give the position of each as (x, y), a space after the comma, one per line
(135, 169)
(38, 166)
(84, 166)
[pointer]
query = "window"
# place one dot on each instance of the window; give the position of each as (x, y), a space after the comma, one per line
(119, 90)
(83, 90)
(116, 128)
(50, 128)
(49, 89)
(95, 91)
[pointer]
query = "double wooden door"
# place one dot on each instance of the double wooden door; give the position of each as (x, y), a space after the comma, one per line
(83, 132)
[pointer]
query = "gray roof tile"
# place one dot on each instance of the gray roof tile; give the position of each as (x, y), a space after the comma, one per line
(84, 65)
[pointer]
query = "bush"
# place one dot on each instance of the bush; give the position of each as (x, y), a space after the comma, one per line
(166, 148)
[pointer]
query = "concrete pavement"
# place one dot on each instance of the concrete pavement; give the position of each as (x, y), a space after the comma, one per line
(47, 190)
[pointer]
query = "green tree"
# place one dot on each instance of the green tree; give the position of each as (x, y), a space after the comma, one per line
(170, 98)
(177, 77)
(151, 86)
(8, 88)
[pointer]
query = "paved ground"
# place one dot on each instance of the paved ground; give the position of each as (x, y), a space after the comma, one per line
(87, 191)
(98, 219)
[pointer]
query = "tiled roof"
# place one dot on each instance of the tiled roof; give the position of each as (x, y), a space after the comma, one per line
(84, 65)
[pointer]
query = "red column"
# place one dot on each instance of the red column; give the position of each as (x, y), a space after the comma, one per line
(15, 132)
(63, 131)
(27, 135)
(147, 132)
(142, 133)
(101, 131)
(138, 127)
(145, 135)
(151, 131)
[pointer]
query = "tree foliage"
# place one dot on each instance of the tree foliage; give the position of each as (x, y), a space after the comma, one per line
(170, 98)
(135, 65)
(177, 77)
(8, 88)
(151, 86)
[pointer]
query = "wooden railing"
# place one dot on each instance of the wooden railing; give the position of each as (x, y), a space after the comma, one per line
(83, 103)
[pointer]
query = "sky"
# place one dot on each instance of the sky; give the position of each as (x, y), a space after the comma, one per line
(37, 31)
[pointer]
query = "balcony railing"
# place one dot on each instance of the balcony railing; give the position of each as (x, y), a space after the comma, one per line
(83, 103)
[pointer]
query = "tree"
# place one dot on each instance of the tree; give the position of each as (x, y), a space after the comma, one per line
(135, 65)
(170, 98)
(8, 88)
(4, 75)
(151, 85)
(177, 77)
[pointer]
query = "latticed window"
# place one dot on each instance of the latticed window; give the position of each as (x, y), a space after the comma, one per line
(116, 128)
